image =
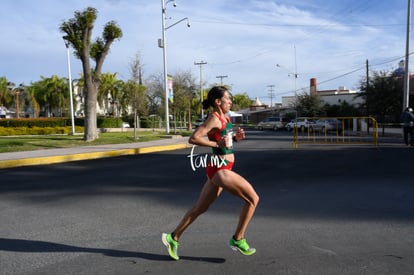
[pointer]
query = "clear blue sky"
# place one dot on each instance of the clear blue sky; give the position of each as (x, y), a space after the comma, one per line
(245, 40)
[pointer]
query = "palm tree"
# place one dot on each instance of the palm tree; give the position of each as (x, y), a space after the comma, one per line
(52, 93)
(5, 96)
(31, 93)
(110, 88)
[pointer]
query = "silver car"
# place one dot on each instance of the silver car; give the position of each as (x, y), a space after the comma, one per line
(325, 125)
(272, 123)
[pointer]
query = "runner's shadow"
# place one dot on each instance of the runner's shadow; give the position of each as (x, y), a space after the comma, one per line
(30, 246)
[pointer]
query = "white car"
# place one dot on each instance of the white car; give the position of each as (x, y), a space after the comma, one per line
(301, 123)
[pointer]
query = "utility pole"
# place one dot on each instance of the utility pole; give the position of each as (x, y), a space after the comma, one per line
(406, 99)
(271, 94)
(221, 78)
(201, 63)
(367, 83)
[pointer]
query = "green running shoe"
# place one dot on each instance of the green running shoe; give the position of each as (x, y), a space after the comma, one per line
(242, 246)
(171, 244)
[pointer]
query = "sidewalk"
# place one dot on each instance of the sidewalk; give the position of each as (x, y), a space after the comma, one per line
(50, 156)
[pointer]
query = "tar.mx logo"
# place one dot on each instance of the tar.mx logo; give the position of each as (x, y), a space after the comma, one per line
(201, 161)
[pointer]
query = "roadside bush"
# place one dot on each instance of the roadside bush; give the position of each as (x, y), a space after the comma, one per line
(109, 122)
(150, 122)
(102, 122)
(16, 131)
(45, 126)
(32, 122)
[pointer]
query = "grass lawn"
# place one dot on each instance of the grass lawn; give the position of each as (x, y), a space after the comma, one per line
(28, 143)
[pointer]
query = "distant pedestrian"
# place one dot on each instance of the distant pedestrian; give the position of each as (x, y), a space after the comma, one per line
(220, 176)
(407, 119)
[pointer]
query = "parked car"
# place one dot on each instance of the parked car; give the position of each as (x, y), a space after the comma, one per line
(273, 123)
(301, 123)
(325, 125)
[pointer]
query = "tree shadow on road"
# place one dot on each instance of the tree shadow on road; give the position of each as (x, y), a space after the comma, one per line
(33, 246)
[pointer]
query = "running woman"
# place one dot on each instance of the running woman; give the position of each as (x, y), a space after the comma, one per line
(218, 129)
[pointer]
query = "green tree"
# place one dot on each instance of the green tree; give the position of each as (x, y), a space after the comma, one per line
(135, 92)
(52, 94)
(37, 92)
(383, 95)
(155, 94)
(343, 110)
(6, 97)
(134, 96)
(78, 32)
(183, 87)
(111, 88)
(185, 99)
(31, 96)
(309, 105)
(58, 90)
(241, 101)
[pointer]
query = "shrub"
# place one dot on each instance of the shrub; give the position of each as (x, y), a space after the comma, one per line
(16, 131)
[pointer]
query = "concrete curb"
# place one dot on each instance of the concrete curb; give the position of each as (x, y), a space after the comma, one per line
(88, 156)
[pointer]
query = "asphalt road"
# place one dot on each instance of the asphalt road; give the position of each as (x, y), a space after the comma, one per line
(323, 210)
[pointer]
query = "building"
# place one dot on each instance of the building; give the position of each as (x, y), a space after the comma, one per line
(331, 97)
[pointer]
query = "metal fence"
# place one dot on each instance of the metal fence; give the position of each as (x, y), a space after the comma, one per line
(337, 130)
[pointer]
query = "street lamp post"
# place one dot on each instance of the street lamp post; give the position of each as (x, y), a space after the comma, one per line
(295, 77)
(72, 118)
(294, 74)
(162, 43)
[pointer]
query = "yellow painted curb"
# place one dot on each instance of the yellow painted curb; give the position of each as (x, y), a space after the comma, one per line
(85, 156)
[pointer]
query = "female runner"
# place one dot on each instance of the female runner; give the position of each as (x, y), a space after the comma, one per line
(218, 129)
